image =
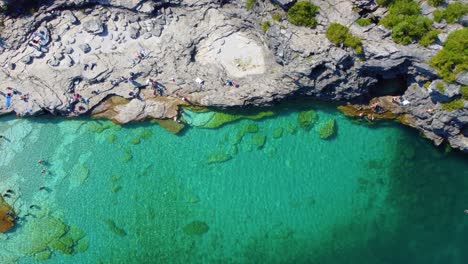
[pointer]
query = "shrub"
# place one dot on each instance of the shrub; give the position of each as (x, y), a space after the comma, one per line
(303, 14)
(453, 105)
(339, 34)
(265, 26)
(406, 22)
(363, 22)
(384, 2)
(453, 58)
(464, 92)
(435, 2)
(455, 11)
(250, 4)
(438, 15)
(429, 38)
(452, 13)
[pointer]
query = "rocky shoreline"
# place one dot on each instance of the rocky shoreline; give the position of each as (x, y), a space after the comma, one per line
(76, 57)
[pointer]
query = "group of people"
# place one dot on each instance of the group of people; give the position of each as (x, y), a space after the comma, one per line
(74, 101)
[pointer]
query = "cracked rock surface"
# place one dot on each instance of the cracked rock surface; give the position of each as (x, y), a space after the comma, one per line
(101, 49)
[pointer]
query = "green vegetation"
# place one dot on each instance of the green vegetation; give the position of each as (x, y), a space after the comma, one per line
(384, 2)
(452, 13)
(363, 22)
(453, 58)
(303, 14)
(429, 38)
(277, 16)
(406, 22)
(464, 92)
(250, 4)
(435, 2)
(339, 34)
(328, 129)
(453, 105)
(265, 26)
(196, 228)
(440, 86)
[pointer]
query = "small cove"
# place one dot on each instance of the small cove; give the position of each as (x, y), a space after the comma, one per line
(371, 194)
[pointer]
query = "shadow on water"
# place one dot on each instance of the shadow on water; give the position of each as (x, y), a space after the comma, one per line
(422, 221)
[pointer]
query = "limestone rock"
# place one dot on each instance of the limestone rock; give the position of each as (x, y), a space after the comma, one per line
(7, 220)
(94, 26)
(70, 17)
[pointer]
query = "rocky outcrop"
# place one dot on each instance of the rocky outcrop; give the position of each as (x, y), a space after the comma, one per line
(102, 49)
(7, 216)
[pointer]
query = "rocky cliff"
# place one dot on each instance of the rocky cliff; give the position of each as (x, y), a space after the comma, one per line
(70, 57)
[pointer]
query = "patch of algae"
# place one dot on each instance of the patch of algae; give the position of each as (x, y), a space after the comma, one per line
(218, 119)
(135, 141)
(127, 155)
(306, 119)
(99, 126)
(49, 234)
(328, 129)
(278, 132)
(251, 128)
(170, 125)
(80, 174)
(114, 228)
(44, 255)
(259, 140)
(196, 228)
(111, 138)
(218, 158)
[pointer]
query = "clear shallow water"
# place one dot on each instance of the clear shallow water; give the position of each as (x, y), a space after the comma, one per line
(369, 195)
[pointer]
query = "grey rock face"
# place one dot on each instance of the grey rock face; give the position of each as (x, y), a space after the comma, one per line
(284, 3)
(214, 41)
(70, 17)
(462, 78)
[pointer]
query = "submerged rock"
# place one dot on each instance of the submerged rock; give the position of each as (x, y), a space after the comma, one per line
(7, 219)
(306, 119)
(196, 228)
(114, 228)
(218, 158)
(328, 129)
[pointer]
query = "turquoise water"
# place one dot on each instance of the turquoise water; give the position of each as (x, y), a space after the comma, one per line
(371, 194)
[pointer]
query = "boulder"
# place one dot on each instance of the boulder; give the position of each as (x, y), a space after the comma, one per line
(94, 26)
(70, 17)
(284, 3)
(7, 219)
(462, 78)
(85, 47)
